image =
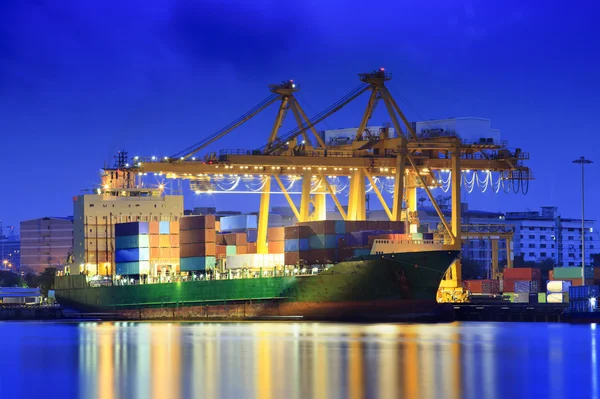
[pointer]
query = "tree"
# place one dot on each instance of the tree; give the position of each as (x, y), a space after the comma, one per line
(471, 270)
(46, 280)
(9, 279)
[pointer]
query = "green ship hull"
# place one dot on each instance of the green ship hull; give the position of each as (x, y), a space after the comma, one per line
(392, 286)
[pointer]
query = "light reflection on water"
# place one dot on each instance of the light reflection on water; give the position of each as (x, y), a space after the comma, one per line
(297, 360)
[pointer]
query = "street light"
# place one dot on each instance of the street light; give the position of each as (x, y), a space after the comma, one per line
(583, 162)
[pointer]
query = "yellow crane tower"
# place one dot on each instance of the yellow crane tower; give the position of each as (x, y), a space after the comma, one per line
(406, 158)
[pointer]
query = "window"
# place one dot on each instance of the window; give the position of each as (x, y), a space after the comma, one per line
(542, 245)
(571, 263)
(543, 254)
(532, 254)
(570, 237)
(521, 245)
(542, 237)
(91, 205)
(542, 228)
(531, 237)
(531, 228)
(570, 229)
(521, 236)
(592, 246)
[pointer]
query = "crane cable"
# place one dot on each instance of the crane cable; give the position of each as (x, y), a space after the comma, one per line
(197, 146)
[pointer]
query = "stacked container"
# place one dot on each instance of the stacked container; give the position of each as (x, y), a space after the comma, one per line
(197, 243)
(526, 276)
(584, 298)
(276, 240)
(557, 291)
(132, 248)
(485, 287)
(164, 245)
(237, 223)
(573, 275)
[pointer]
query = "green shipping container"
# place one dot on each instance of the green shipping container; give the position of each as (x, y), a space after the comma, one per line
(572, 272)
(130, 242)
(510, 295)
(230, 250)
(542, 297)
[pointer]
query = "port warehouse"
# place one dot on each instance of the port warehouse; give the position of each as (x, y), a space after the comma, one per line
(20, 296)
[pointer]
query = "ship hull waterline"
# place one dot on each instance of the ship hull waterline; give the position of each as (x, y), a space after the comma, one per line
(391, 287)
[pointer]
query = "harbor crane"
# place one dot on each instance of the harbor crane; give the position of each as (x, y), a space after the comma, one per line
(407, 158)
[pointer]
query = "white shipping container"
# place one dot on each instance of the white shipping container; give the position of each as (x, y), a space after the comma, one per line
(558, 286)
(254, 261)
(555, 298)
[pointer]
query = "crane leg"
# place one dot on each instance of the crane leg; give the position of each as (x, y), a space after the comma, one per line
(305, 198)
(263, 218)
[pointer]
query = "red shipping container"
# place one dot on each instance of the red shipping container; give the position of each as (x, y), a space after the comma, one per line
(153, 227)
(522, 273)
(320, 226)
(291, 258)
(198, 236)
(300, 231)
(276, 247)
(233, 238)
(194, 250)
(154, 241)
(221, 250)
(275, 234)
(474, 286)
(551, 275)
(197, 222)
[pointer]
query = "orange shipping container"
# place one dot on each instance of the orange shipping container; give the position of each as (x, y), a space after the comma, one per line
(251, 248)
(174, 227)
(153, 227)
(241, 250)
(164, 241)
(276, 234)
(154, 241)
(154, 253)
(221, 250)
(218, 225)
(174, 240)
(193, 236)
(276, 247)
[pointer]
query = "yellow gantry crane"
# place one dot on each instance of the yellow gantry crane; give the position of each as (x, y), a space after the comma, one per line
(404, 157)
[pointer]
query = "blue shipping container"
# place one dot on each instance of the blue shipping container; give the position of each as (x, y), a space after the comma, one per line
(238, 223)
(199, 263)
(340, 227)
(296, 245)
(127, 268)
(584, 292)
(522, 287)
(164, 227)
(127, 242)
(252, 235)
(132, 255)
(131, 229)
(322, 241)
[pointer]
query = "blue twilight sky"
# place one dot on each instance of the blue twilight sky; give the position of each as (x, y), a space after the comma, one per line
(80, 80)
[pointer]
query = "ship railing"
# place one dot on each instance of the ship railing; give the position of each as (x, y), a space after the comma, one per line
(408, 242)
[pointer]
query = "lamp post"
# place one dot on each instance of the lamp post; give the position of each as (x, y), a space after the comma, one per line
(583, 162)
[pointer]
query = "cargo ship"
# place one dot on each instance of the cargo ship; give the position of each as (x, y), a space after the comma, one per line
(395, 278)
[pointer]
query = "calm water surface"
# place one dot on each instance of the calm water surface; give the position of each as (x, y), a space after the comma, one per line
(298, 360)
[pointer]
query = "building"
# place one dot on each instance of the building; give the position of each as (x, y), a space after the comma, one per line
(9, 252)
(546, 235)
(95, 216)
(347, 135)
(468, 128)
(46, 242)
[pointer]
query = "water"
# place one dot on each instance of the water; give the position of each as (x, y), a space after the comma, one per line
(298, 360)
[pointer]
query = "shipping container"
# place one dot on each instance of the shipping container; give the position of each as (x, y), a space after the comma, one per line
(156, 253)
(474, 286)
(273, 234)
(541, 297)
(584, 292)
(153, 228)
(235, 239)
(200, 263)
(230, 250)
(509, 295)
(576, 282)
(533, 297)
(174, 227)
(252, 261)
(197, 250)
(251, 248)
(241, 250)
(131, 229)
(323, 241)
(132, 255)
(572, 273)
(521, 297)
(198, 236)
(319, 256)
(361, 252)
(132, 268)
(562, 297)
(221, 251)
(174, 240)
(164, 241)
(276, 247)
(295, 232)
(551, 275)
(154, 240)
(127, 242)
(557, 286)
(217, 226)
(491, 287)
(205, 222)
(417, 236)
(522, 273)
(164, 227)
(238, 223)
(291, 258)
(296, 245)
(252, 235)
